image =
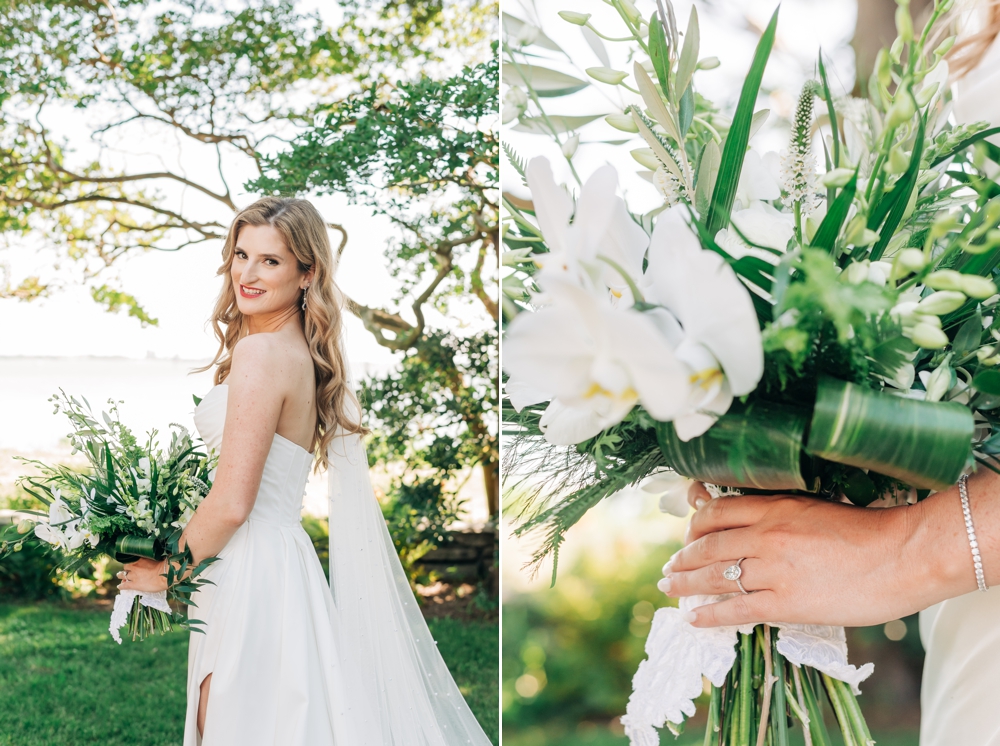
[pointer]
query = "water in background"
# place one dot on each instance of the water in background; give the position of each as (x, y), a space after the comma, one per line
(154, 392)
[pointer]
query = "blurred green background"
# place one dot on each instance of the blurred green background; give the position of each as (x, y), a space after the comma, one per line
(569, 651)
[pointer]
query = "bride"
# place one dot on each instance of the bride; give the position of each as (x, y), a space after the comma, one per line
(285, 659)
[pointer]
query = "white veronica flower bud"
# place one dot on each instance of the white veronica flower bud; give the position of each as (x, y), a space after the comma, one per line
(646, 158)
(938, 383)
(708, 63)
(986, 355)
(941, 302)
(569, 147)
(630, 10)
(857, 272)
(902, 109)
(912, 259)
(944, 279)
(928, 337)
(838, 177)
(579, 19)
(606, 75)
(622, 122)
(978, 287)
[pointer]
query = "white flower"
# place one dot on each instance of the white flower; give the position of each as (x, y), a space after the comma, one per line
(50, 535)
(601, 227)
(597, 362)
(515, 103)
(667, 185)
(721, 341)
(759, 179)
(672, 489)
(144, 465)
(760, 224)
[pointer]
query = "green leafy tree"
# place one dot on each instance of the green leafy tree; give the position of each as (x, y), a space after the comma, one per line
(425, 154)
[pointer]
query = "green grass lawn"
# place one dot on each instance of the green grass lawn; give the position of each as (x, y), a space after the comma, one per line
(64, 681)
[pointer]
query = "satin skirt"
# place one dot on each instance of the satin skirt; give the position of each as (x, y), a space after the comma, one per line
(269, 642)
(960, 692)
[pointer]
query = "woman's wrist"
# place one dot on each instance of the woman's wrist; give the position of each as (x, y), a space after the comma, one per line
(936, 557)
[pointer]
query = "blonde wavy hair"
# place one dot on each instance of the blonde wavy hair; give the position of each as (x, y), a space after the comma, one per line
(972, 43)
(305, 234)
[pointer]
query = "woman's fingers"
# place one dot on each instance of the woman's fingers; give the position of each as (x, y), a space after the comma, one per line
(721, 546)
(753, 608)
(726, 513)
(698, 495)
(710, 581)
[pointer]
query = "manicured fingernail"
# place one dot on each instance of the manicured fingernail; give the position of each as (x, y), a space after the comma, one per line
(699, 502)
(664, 585)
(689, 616)
(666, 567)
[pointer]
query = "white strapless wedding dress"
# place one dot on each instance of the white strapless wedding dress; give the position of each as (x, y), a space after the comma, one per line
(961, 679)
(269, 620)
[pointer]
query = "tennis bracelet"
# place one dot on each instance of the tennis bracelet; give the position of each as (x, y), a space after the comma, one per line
(963, 489)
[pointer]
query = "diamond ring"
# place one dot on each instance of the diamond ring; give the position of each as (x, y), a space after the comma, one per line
(735, 572)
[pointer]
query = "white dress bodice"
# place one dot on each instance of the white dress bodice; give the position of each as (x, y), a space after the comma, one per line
(286, 471)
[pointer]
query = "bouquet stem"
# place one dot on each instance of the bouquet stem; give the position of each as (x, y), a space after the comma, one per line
(143, 621)
(756, 703)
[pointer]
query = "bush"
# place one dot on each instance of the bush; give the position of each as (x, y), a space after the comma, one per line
(29, 574)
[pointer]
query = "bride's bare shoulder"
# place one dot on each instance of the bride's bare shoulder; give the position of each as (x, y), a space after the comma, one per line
(270, 354)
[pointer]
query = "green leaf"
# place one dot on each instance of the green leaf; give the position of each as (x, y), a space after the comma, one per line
(739, 135)
(538, 125)
(972, 140)
(708, 171)
(655, 104)
(659, 150)
(545, 82)
(906, 184)
(757, 445)
(987, 381)
(969, 334)
(659, 53)
(689, 54)
(513, 25)
(834, 126)
(924, 444)
(686, 112)
(829, 229)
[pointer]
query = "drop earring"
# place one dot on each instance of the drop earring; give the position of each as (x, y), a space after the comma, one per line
(304, 291)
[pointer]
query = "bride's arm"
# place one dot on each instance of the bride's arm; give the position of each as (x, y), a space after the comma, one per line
(256, 395)
(829, 563)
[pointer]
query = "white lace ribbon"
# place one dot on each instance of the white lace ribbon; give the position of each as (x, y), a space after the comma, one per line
(123, 605)
(678, 655)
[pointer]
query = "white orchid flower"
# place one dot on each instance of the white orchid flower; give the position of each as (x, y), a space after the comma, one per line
(50, 535)
(759, 179)
(721, 343)
(672, 489)
(144, 465)
(597, 361)
(600, 231)
(761, 225)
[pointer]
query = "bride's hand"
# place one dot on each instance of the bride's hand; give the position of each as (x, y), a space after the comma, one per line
(811, 561)
(144, 575)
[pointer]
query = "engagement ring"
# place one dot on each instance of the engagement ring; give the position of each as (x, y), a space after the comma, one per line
(734, 572)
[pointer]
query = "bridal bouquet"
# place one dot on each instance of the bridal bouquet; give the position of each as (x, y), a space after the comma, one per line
(820, 321)
(132, 501)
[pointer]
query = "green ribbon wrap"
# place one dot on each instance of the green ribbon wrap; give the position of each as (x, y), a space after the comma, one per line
(130, 548)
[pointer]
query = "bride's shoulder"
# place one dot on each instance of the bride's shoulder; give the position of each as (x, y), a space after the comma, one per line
(269, 353)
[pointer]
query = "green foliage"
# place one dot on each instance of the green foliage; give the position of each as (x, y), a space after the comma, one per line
(580, 641)
(422, 153)
(417, 515)
(116, 300)
(319, 534)
(63, 680)
(29, 574)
